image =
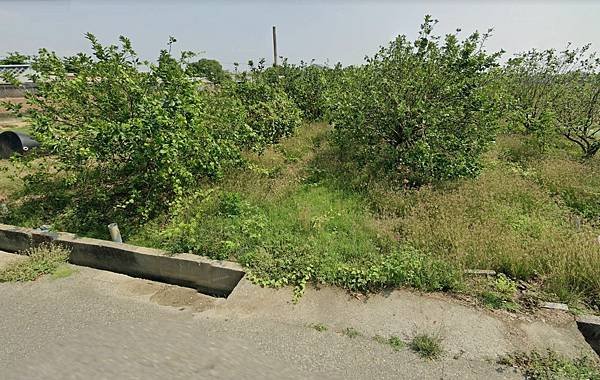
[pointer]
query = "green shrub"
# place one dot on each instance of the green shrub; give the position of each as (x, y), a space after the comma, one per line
(14, 58)
(271, 114)
(210, 69)
(126, 142)
(421, 110)
(305, 84)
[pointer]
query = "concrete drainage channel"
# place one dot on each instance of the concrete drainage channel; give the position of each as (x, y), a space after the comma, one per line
(215, 278)
(589, 326)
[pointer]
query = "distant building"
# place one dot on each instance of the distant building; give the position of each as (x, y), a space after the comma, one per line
(22, 73)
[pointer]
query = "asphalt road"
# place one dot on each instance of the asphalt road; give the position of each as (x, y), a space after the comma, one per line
(100, 325)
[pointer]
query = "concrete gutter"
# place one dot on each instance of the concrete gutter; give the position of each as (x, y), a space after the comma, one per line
(589, 325)
(211, 277)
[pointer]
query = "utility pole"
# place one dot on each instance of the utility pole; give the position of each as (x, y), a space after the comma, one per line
(274, 46)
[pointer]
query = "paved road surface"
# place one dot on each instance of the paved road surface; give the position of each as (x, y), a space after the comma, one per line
(101, 325)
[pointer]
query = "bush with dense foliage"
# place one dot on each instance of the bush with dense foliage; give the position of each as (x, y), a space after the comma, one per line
(419, 109)
(14, 58)
(305, 84)
(128, 141)
(73, 64)
(271, 114)
(210, 69)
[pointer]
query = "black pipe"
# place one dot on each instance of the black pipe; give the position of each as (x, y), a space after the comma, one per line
(15, 143)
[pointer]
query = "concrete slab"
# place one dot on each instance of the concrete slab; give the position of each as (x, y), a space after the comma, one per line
(212, 277)
(554, 306)
(476, 334)
(207, 276)
(15, 239)
(96, 325)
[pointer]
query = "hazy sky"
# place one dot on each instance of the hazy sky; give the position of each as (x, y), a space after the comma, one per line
(235, 31)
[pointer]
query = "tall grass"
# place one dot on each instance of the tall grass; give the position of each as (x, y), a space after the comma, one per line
(506, 222)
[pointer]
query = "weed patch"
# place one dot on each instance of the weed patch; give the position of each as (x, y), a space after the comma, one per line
(428, 346)
(393, 341)
(396, 343)
(300, 233)
(501, 294)
(550, 366)
(319, 327)
(317, 218)
(506, 221)
(63, 271)
(351, 332)
(41, 260)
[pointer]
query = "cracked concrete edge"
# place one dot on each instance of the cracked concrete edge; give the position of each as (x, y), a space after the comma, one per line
(212, 277)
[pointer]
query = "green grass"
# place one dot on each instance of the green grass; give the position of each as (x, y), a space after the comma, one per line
(8, 184)
(351, 332)
(63, 271)
(396, 343)
(300, 214)
(501, 293)
(428, 346)
(41, 260)
(496, 300)
(509, 221)
(550, 366)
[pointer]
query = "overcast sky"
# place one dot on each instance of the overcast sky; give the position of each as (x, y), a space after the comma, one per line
(235, 31)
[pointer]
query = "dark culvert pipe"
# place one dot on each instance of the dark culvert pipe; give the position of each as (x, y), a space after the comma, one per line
(15, 143)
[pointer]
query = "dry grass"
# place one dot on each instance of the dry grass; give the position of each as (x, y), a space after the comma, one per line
(8, 121)
(8, 184)
(277, 171)
(506, 221)
(575, 182)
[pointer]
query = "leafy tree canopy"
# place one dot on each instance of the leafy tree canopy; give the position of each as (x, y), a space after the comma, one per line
(14, 58)
(210, 69)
